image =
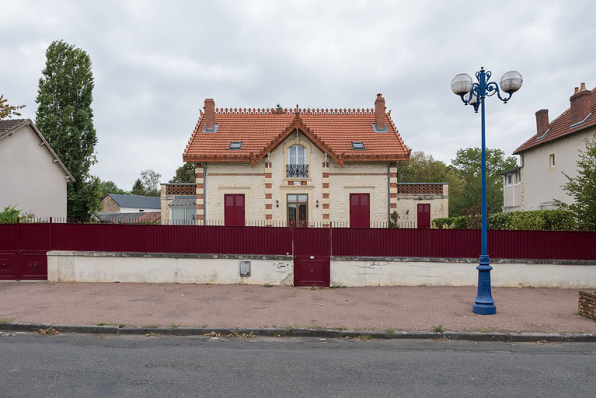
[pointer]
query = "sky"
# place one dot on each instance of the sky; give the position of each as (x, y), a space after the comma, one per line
(155, 62)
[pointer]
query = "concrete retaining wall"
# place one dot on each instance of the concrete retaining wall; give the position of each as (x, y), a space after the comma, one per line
(65, 266)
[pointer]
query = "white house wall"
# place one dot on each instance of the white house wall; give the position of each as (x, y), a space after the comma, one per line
(28, 177)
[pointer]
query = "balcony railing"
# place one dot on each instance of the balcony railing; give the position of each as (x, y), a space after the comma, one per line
(297, 170)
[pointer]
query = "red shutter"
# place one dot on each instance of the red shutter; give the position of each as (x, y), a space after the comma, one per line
(359, 210)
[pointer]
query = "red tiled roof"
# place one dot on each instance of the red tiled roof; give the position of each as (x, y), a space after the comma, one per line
(560, 127)
(261, 130)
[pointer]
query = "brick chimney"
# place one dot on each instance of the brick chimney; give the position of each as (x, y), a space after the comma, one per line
(580, 104)
(209, 114)
(380, 113)
(541, 121)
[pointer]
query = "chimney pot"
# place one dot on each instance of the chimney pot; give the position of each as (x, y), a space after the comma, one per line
(542, 122)
(209, 114)
(576, 90)
(380, 113)
(580, 104)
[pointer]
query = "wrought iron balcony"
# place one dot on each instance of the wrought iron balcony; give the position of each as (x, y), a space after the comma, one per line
(297, 170)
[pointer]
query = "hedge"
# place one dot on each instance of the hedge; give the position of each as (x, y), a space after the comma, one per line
(537, 220)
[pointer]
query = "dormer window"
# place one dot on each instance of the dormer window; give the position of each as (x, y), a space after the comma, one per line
(236, 145)
(297, 166)
(358, 145)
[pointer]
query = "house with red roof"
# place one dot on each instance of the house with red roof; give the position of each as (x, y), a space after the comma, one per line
(549, 154)
(300, 166)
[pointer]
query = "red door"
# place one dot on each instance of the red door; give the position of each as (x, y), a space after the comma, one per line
(359, 210)
(234, 209)
(423, 216)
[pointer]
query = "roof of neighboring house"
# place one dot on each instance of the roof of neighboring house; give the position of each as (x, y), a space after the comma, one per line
(510, 171)
(130, 218)
(262, 130)
(561, 127)
(136, 201)
(10, 126)
(184, 200)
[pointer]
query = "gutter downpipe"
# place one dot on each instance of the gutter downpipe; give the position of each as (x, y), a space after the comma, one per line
(204, 193)
(388, 193)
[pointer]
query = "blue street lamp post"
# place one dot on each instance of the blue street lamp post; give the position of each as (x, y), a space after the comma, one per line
(474, 94)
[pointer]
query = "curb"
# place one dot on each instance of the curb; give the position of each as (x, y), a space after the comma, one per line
(303, 332)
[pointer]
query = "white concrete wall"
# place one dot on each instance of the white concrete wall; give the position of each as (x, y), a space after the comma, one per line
(28, 177)
(542, 183)
(381, 272)
(64, 266)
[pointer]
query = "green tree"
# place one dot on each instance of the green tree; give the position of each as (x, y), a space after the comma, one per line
(10, 214)
(6, 110)
(138, 188)
(107, 187)
(468, 166)
(65, 118)
(150, 182)
(424, 168)
(185, 173)
(582, 189)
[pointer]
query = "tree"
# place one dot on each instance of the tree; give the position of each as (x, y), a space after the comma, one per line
(138, 188)
(107, 187)
(424, 168)
(582, 189)
(65, 118)
(468, 166)
(6, 110)
(185, 173)
(150, 182)
(10, 214)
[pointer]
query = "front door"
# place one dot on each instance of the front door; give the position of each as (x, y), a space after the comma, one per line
(423, 216)
(298, 210)
(234, 209)
(360, 210)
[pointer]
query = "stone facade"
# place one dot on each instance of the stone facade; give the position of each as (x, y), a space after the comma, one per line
(109, 205)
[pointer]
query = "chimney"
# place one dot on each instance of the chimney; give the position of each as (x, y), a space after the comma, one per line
(541, 122)
(580, 104)
(209, 114)
(380, 113)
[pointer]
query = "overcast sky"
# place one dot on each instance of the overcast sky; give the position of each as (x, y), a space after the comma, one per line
(155, 62)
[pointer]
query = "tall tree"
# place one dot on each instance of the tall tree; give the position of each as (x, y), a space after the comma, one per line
(107, 187)
(65, 118)
(424, 168)
(6, 110)
(185, 173)
(138, 188)
(468, 165)
(150, 182)
(582, 189)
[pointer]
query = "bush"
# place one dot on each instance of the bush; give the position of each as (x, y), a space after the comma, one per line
(538, 220)
(10, 214)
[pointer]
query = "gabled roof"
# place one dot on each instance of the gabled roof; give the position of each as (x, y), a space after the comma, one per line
(561, 127)
(262, 130)
(140, 217)
(9, 127)
(136, 201)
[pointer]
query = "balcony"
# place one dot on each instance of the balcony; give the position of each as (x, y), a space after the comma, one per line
(297, 171)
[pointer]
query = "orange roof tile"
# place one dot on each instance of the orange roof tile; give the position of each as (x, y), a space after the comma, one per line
(560, 127)
(261, 130)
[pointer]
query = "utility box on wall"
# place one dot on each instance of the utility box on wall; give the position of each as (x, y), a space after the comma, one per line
(244, 268)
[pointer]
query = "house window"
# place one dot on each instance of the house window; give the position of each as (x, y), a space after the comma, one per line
(357, 145)
(551, 161)
(235, 145)
(298, 210)
(297, 166)
(517, 177)
(509, 179)
(183, 215)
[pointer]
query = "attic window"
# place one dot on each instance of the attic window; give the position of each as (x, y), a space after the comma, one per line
(357, 145)
(383, 130)
(210, 131)
(236, 145)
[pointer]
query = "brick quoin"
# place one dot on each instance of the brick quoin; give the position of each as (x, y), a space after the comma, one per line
(393, 175)
(268, 185)
(325, 196)
(199, 186)
(200, 206)
(393, 185)
(268, 206)
(325, 216)
(394, 195)
(394, 205)
(303, 182)
(325, 175)
(200, 217)
(325, 205)
(325, 185)
(268, 216)
(268, 175)
(268, 196)
(199, 196)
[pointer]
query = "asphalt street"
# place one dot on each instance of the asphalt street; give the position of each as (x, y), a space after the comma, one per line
(70, 365)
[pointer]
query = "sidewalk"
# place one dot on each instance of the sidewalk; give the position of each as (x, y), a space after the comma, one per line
(245, 306)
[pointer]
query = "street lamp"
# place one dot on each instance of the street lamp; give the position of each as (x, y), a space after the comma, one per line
(474, 94)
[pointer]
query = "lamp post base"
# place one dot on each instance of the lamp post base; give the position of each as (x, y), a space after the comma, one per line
(484, 303)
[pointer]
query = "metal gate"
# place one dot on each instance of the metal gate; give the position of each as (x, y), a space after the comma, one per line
(23, 265)
(312, 255)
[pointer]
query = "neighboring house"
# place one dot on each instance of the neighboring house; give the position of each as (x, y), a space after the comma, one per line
(142, 217)
(301, 166)
(32, 177)
(116, 203)
(552, 151)
(178, 203)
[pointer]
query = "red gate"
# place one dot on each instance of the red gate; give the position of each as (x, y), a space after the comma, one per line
(312, 249)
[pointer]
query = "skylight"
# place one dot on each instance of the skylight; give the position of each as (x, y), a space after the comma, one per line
(236, 145)
(357, 145)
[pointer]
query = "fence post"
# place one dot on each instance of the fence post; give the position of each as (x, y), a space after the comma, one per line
(51, 235)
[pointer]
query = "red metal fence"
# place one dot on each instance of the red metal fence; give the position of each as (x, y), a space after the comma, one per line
(377, 242)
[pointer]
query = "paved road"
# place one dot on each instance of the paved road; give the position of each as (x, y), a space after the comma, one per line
(32, 365)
